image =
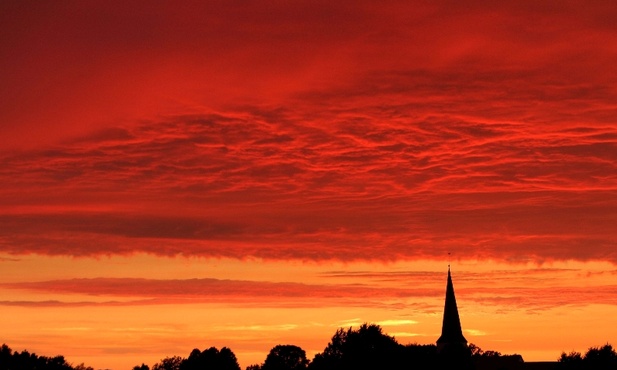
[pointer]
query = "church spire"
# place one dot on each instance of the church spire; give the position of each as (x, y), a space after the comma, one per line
(451, 332)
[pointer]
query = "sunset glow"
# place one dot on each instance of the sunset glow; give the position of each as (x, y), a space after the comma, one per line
(247, 174)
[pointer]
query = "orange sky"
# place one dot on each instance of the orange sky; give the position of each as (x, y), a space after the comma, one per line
(245, 174)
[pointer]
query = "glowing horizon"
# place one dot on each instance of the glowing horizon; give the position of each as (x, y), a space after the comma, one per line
(214, 174)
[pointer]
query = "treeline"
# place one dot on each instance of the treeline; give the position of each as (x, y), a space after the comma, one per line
(24, 360)
(364, 348)
(596, 358)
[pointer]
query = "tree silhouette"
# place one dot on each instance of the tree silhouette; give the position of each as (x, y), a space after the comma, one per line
(83, 366)
(209, 359)
(601, 357)
(365, 348)
(169, 363)
(493, 359)
(196, 360)
(25, 360)
(228, 360)
(596, 358)
(285, 357)
(571, 361)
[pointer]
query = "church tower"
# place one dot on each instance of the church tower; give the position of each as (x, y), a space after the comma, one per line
(452, 345)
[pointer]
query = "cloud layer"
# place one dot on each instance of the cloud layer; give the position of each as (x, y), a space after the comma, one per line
(313, 131)
(298, 150)
(338, 187)
(522, 290)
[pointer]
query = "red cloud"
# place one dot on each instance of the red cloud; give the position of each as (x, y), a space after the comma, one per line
(525, 289)
(234, 186)
(297, 132)
(253, 293)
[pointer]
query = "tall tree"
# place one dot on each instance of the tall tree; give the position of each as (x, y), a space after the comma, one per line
(210, 359)
(365, 348)
(169, 363)
(286, 357)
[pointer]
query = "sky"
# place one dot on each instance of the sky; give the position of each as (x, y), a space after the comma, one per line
(254, 173)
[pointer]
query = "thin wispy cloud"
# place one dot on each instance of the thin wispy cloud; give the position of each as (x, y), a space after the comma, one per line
(516, 293)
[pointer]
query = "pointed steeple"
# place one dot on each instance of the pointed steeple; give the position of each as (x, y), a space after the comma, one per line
(451, 332)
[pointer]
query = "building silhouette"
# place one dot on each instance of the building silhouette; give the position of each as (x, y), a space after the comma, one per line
(452, 349)
(454, 354)
(451, 332)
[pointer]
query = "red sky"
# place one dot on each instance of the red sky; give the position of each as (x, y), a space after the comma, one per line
(169, 169)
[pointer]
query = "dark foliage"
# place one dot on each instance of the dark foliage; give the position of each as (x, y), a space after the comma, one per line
(169, 363)
(365, 348)
(208, 359)
(419, 356)
(211, 358)
(596, 358)
(493, 359)
(285, 357)
(13, 360)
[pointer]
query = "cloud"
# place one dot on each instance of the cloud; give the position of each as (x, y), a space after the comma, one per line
(302, 134)
(124, 62)
(150, 291)
(527, 289)
(232, 185)
(316, 131)
(535, 300)
(128, 291)
(57, 303)
(475, 332)
(396, 322)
